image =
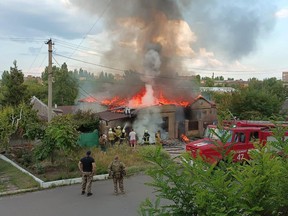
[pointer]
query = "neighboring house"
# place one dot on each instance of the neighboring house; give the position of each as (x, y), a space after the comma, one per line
(201, 113)
(42, 109)
(217, 89)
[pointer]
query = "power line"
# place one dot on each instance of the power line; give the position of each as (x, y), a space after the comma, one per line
(99, 65)
(101, 15)
(73, 46)
(20, 39)
(36, 57)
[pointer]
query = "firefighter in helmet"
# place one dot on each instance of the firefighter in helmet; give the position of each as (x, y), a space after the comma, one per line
(118, 132)
(123, 137)
(146, 137)
(111, 137)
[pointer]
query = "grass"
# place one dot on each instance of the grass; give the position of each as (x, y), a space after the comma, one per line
(66, 167)
(13, 179)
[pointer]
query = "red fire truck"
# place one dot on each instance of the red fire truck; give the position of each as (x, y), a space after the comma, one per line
(240, 141)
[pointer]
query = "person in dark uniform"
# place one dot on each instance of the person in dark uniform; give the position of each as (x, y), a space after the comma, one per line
(123, 137)
(146, 137)
(87, 167)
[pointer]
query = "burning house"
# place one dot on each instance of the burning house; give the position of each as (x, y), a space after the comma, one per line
(151, 39)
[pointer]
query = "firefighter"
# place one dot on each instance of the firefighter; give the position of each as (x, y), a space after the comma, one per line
(118, 132)
(111, 137)
(146, 137)
(158, 140)
(122, 137)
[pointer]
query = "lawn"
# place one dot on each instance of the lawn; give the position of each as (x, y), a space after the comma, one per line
(65, 167)
(13, 179)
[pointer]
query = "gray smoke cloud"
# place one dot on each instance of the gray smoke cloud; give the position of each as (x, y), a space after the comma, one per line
(231, 28)
(144, 34)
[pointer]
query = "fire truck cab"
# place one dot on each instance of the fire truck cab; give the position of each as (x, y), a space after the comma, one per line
(241, 141)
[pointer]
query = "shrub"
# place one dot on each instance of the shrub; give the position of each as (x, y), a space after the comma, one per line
(229, 189)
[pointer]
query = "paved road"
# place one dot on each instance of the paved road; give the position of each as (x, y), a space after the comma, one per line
(67, 201)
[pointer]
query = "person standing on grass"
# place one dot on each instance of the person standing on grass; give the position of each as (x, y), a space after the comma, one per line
(111, 137)
(87, 168)
(102, 143)
(117, 172)
(132, 138)
(158, 140)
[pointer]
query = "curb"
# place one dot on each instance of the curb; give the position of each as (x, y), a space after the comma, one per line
(42, 184)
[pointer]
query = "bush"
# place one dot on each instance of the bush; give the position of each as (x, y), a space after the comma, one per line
(229, 189)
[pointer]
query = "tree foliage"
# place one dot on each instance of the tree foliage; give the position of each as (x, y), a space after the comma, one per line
(29, 126)
(7, 127)
(260, 100)
(65, 85)
(13, 88)
(60, 135)
(86, 121)
(227, 189)
(37, 89)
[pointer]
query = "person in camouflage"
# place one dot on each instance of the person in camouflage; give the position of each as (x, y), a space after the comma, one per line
(117, 172)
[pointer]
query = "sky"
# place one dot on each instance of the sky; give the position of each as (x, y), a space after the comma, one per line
(234, 39)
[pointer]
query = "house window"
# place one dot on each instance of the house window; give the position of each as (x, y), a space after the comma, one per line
(193, 125)
(165, 123)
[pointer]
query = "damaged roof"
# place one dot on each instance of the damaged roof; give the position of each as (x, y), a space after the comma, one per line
(112, 115)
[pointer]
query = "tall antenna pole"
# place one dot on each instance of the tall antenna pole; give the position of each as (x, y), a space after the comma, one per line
(49, 42)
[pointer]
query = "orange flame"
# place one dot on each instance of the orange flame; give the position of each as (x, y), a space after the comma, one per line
(137, 100)
(185, 138)
(88, 100)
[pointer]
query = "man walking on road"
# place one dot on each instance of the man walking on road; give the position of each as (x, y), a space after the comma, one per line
(87, 167)
(117, 172)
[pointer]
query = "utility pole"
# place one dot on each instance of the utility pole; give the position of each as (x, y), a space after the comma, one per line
(49, 42)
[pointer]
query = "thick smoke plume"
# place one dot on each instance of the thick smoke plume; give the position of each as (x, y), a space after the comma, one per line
(179, 29)
(154, 37)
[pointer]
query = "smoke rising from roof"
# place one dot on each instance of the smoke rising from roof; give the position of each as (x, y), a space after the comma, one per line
(229, 28)
(152, 37)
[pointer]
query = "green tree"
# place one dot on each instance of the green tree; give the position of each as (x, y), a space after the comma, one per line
(223, 101)
(29, 125)
(86, 121)
(209, 82)
(12, 87)
(60, 135)
(65, 85)
(7, 126)
(253, 103)
(37, 89)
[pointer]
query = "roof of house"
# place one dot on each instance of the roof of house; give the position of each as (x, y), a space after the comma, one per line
(67, 109)
(42, 108)
(116, 114)
(217, 89)
(111, 116)
(203, 98)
